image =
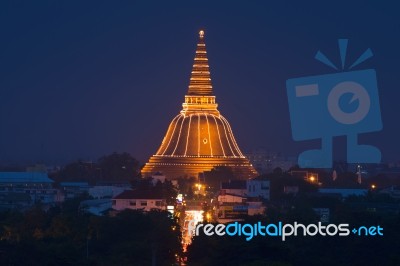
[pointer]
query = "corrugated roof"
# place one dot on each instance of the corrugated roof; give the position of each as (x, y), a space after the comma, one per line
(140, 194)
(24, 177)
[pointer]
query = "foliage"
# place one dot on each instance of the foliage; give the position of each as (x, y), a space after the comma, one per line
(118, 166)
(278, 180)
(113, 167)
(217, 175)
(64, 236)
(166, 189)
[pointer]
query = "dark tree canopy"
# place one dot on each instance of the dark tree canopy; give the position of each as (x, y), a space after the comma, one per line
(118, 166)
(64, 236)
(217, 175)
(113, 167)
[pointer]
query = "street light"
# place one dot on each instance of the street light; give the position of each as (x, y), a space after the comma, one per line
(208, 217)
(312, 177)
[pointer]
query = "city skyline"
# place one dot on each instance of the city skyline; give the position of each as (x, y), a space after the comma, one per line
(82, 80)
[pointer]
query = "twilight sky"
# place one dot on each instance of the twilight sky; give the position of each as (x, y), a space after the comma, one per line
(81, 79)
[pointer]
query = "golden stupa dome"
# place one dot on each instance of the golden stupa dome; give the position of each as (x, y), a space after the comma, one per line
(199, 134)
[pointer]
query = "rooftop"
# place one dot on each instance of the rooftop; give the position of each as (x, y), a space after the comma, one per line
(24, 177)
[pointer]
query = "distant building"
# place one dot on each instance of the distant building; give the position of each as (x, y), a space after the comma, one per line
(344, 192)
(231, 208)
(146, 200)
(235, 207)
(247, 188)
(392, 191)
(19, 179)
(239, 198)
(234, 187)
(74, 189)
(23, 189)
(258, 188)
(231, 198)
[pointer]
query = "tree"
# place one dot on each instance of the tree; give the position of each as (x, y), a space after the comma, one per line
(69, 237)
(217, 175)
(77, 171)
(118, 166)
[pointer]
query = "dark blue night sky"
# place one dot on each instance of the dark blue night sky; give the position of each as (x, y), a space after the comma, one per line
(82, 79)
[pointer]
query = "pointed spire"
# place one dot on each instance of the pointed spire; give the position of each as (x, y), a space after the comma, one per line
(200, 80)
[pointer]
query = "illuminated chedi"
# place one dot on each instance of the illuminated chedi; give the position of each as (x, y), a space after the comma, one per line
(199, 138)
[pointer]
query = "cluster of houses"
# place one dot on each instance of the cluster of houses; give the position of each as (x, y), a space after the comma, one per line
(235, 199)
(238, 198)
(21, 190)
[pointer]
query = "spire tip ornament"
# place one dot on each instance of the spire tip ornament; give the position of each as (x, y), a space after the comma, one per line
(201, 33)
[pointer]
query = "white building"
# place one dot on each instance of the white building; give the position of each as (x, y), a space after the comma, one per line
(247, 188)
(74, 189)
(233, 207)
(146, 200)
(344, 192)
(239, 198)
(258, 188)
(230, 198)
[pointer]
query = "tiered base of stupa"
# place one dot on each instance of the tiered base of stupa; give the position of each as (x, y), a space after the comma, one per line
(191, 166)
